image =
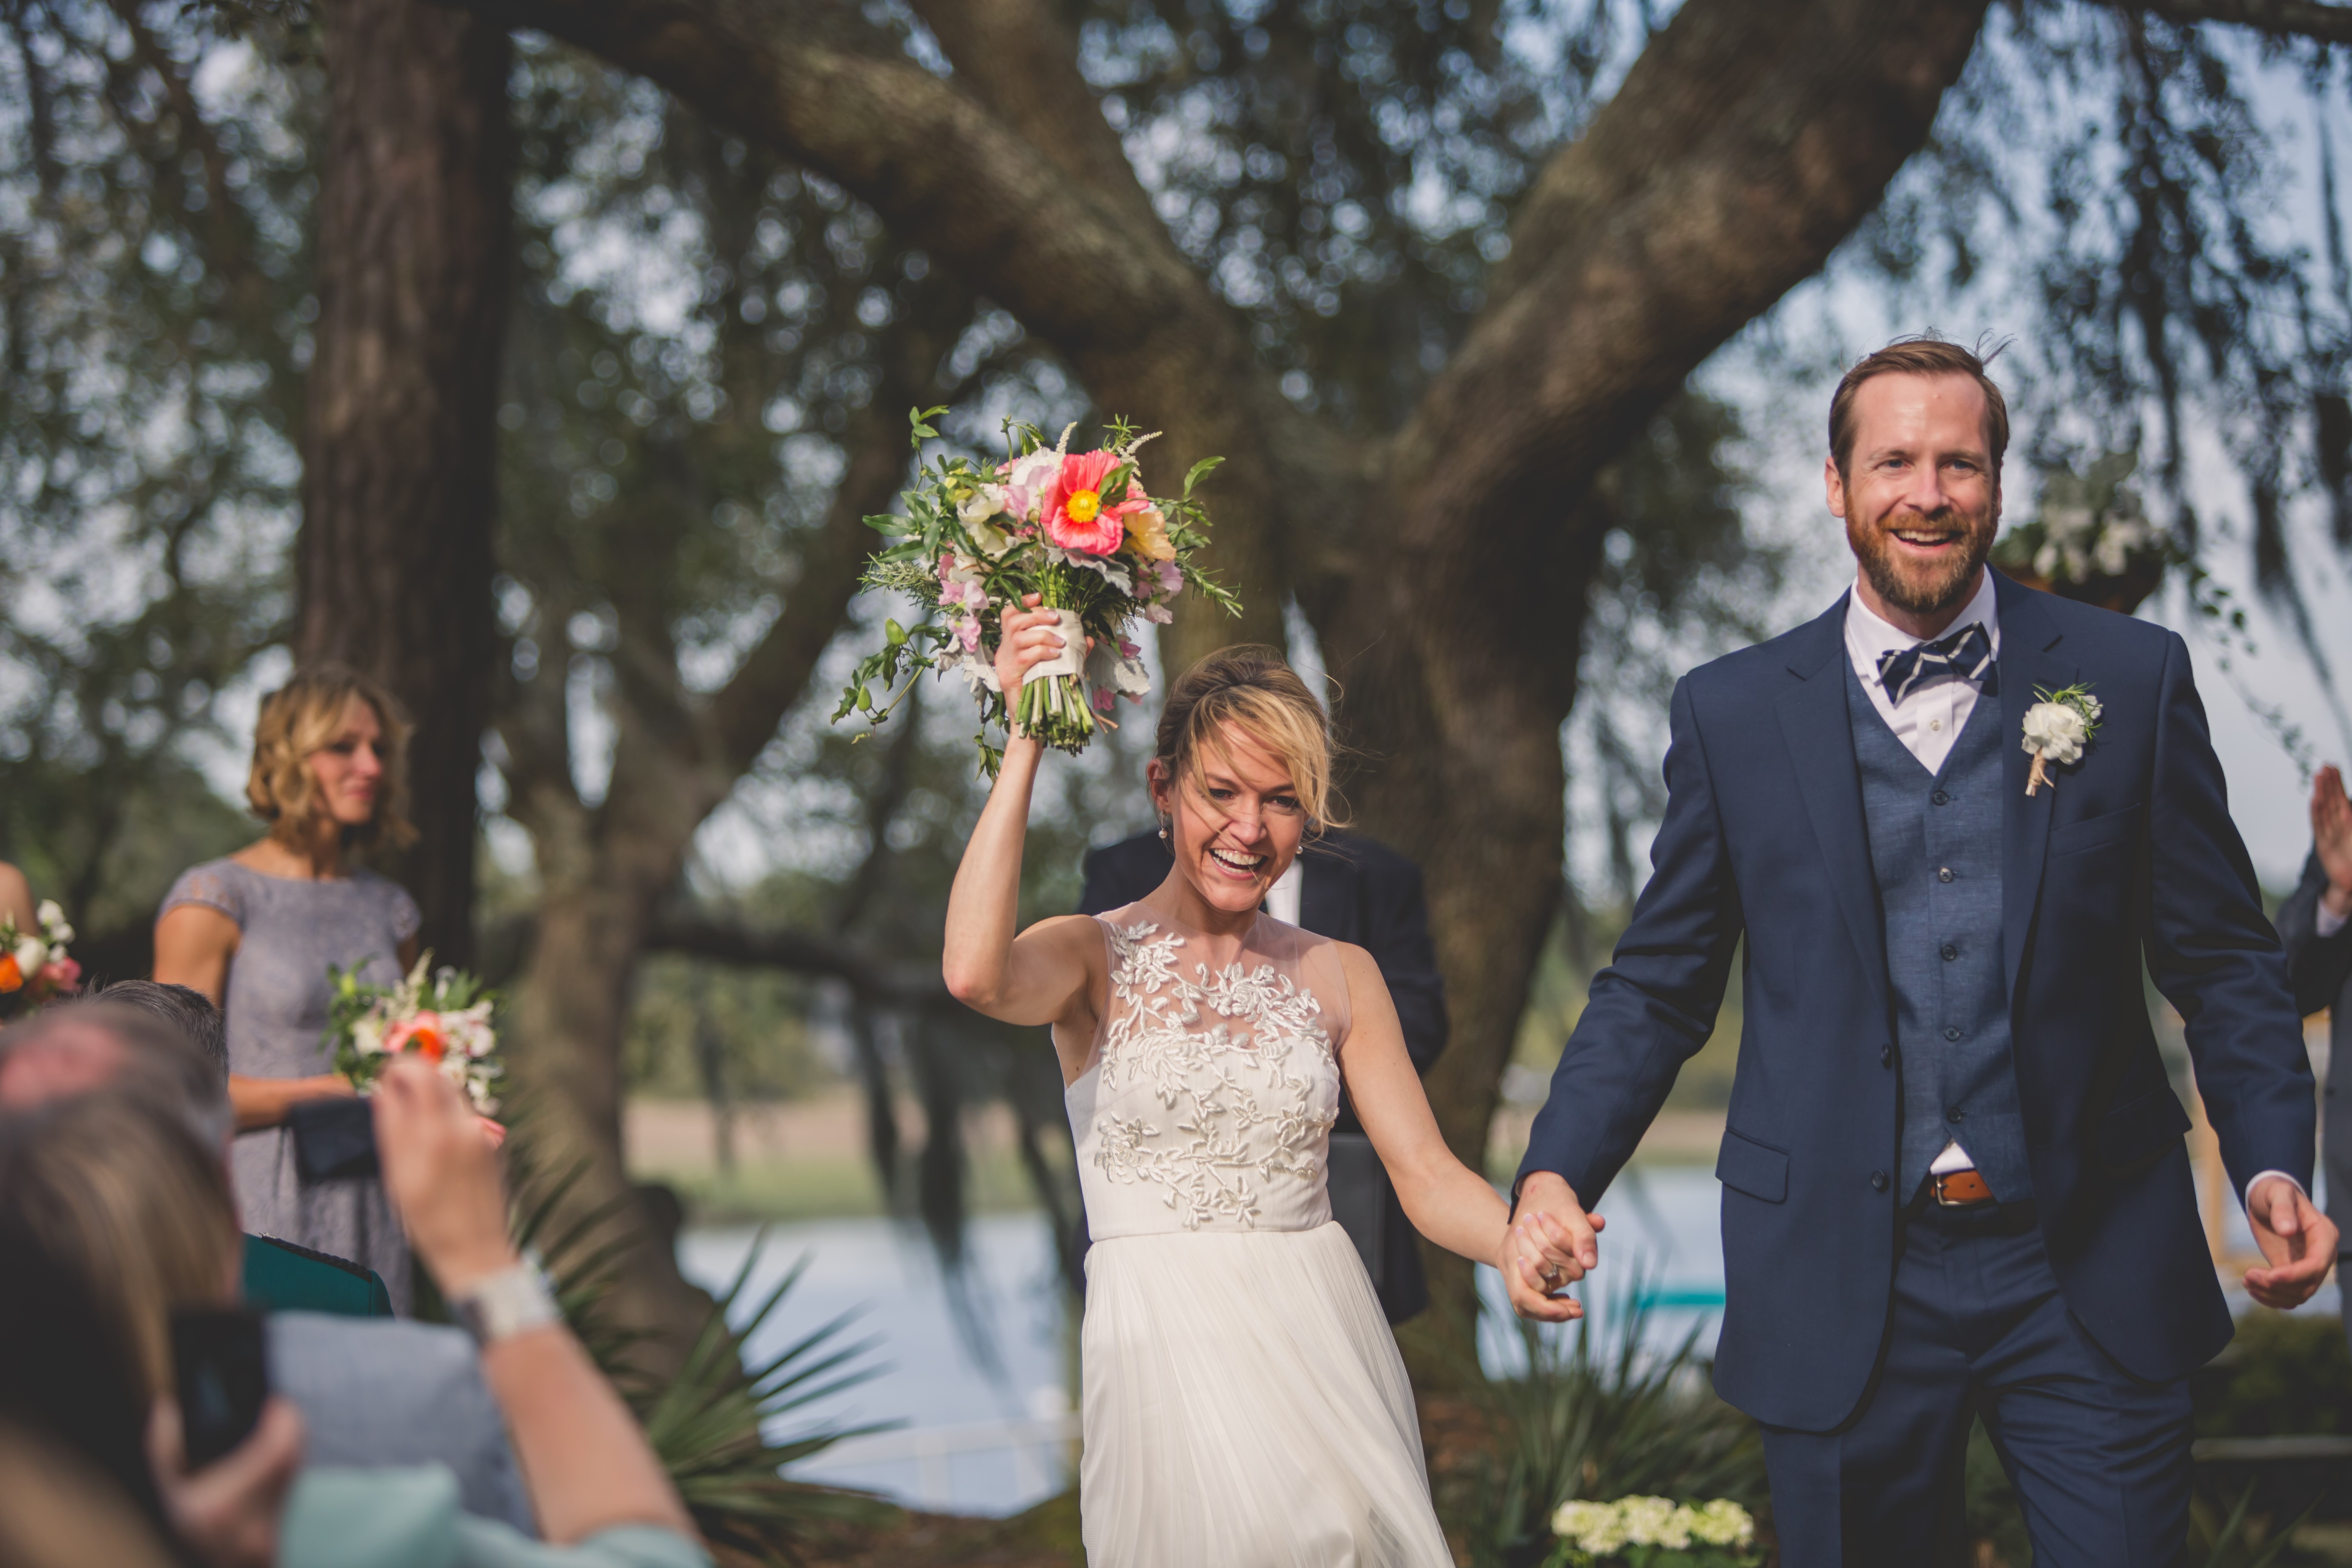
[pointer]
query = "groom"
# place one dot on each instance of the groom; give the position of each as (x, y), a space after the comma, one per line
(1954, 1179)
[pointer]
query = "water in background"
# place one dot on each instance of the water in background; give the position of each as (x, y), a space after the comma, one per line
(984, 1420)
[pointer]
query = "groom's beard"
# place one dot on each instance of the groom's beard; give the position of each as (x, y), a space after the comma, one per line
(1923, 588)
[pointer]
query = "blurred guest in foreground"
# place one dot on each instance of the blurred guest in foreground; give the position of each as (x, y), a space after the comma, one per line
(128, 1204)
(2315, 925)
(279, 1276)
(257, 932)
(371, 1392)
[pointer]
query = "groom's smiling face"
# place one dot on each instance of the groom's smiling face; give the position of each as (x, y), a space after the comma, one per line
(1919, 494)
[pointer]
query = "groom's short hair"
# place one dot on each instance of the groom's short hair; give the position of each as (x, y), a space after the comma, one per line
(1926, 355)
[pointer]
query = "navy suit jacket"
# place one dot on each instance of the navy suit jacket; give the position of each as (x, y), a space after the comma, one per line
(2131, 855)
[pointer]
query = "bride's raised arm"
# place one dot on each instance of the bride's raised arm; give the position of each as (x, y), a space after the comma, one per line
(1045, 974)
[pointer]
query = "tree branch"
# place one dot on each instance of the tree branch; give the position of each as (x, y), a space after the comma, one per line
(1017, 57)
(1748, 141)
(877, 982)
(2279, 18)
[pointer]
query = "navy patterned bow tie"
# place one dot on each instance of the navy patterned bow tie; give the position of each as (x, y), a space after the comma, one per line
(1966, 655)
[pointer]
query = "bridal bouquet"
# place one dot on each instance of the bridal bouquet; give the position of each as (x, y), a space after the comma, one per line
(1654, 1532)
(1076, 529)
(34, 966)
(444, 1015)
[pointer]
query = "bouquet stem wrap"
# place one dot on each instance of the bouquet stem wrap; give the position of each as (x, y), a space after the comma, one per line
(1054, 703)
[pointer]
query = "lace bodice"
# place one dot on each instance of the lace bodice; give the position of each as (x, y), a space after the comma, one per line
(1209, 1100)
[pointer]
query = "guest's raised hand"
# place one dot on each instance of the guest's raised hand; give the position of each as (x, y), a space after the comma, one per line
(2298, 1240)
(228, 1513)
(1026, 637)
(441, 1174)
(2331, 837)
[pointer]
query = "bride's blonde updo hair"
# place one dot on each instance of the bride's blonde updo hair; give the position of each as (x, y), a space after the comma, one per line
(1251, 689)
(301, 717)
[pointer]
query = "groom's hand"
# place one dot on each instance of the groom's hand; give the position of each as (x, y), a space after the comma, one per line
(2299, 1241)
(1549, 1246)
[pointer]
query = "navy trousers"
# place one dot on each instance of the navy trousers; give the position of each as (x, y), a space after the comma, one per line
(2100, 1459)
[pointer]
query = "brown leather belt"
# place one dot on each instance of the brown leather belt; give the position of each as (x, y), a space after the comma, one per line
(1962, 1190)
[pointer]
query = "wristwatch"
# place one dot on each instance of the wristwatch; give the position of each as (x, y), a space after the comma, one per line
(511, 1302)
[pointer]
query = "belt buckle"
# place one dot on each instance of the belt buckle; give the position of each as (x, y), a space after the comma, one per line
(1962, 1190)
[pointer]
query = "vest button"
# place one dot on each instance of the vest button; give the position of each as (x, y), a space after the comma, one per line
(1943, 873)
(1951, 1032)
(1949, 953)
(1940, 798)
(1955, 1114)
(1877, 1181)
(1886, 1056)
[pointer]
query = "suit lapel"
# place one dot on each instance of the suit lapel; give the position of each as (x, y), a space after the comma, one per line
(1820, 732)
(1327, 892)
(2028, 637)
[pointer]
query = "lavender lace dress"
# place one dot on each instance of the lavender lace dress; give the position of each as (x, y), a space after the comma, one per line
(275, 1006)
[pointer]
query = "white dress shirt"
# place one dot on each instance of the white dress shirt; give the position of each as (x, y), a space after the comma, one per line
(2328, 922)
(1282, 899)
(1928, 721)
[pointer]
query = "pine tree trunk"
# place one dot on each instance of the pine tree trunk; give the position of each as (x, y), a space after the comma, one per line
(400, 461)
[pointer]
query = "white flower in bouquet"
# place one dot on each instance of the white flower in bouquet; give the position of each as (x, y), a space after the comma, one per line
(52, 921)
(1654, 1522)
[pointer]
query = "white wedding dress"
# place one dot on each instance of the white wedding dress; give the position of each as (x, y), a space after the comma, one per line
(1244, 1403)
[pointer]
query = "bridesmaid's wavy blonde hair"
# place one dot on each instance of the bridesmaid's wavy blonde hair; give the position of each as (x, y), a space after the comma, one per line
(305, 715)
(1251, 689)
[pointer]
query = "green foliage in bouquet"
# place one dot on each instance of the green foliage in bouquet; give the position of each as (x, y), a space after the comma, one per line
(1076, 529)
(445, 1015)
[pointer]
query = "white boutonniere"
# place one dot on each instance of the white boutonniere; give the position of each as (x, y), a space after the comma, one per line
(2058, 728)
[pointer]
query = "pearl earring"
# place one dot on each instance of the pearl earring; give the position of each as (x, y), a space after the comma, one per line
(1163, 833)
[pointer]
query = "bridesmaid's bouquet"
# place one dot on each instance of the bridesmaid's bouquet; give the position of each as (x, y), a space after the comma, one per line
(34, 965)
(1654, 1532)
(441, 1015)
(1074, 528)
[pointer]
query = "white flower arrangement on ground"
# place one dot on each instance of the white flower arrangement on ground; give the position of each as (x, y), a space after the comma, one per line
(34, 965)
(444, 1015)
(1653, 1532)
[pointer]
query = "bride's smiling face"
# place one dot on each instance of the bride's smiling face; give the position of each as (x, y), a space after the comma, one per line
(1235, 824)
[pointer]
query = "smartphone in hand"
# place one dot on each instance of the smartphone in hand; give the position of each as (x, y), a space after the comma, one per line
(220, 1365)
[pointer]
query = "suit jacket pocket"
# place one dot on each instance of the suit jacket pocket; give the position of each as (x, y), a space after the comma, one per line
(2139, 1129)
(1756, 1169)
(2092, 833)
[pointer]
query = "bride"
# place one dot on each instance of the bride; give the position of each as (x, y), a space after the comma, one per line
(1243, 1403)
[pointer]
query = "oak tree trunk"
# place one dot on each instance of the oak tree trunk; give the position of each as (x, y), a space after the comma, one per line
(392, 566)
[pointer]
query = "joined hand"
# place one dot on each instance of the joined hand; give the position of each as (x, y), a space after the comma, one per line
(1551, 1244)
(2298, 1240)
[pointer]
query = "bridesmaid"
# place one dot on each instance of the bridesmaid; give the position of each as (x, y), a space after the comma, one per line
(257, 931)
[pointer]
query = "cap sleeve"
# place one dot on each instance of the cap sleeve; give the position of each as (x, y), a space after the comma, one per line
(406, 921)
(214, 885)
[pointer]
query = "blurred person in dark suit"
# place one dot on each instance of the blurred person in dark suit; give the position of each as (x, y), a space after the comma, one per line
(1352, 889)
(2314, 926)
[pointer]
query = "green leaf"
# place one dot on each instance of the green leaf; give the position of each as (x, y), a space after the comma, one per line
(1197, 472)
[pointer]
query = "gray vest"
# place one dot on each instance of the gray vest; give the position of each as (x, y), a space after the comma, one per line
(1934, 847)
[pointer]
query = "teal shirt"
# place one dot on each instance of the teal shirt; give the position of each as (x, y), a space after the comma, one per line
(409, 1517)
(280, 1277)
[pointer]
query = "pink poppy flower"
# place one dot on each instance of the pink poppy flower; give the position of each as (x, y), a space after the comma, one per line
(1077, 515)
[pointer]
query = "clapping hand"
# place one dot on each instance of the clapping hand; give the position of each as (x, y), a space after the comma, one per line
(1551, 1244)
(2331, 837)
